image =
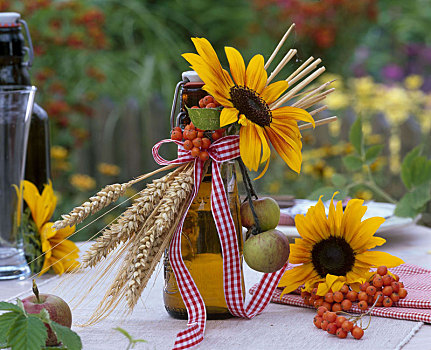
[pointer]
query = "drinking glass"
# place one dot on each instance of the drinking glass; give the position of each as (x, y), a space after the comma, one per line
(16, 103)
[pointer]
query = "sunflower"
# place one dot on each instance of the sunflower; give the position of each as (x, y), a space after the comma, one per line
(247, 99)
(60, 253)
(334, 249)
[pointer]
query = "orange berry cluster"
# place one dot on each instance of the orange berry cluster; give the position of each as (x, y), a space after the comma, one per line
(337, 325)
(207, 102)
(381, 285)
(196, 141)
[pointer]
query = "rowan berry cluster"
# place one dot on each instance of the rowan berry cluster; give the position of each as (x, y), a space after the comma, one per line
(380, 284)
(196, 141)
(337, 325)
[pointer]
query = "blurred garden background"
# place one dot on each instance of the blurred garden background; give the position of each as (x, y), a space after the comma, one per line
(106, 72)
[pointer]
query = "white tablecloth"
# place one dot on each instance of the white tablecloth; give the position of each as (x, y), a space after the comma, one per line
(280, 326)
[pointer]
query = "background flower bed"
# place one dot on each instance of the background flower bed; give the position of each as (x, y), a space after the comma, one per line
(107, 69)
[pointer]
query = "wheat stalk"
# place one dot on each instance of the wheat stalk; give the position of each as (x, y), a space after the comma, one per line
(131, 221)
(102, 199)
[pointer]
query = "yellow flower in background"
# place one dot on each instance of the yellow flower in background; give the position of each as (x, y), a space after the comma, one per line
(366, 195)
(247, 99)
(334, 249)
(82, 182)
(58, 152)
(413, 82)
(60, 253)
(108, 169)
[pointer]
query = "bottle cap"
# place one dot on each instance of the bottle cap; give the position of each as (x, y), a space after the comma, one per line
(9, 19)
(191, 76)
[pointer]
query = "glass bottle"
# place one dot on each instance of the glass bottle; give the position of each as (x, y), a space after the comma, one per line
(201, 250)
(200, 244)
(14, 71)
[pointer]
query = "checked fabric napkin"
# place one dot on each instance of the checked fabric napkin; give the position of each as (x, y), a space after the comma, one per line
(415, 307)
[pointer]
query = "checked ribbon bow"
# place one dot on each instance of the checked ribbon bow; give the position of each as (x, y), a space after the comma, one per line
(222, 150)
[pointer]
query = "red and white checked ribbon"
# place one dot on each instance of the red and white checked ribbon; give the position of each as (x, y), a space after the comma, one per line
(222, 150)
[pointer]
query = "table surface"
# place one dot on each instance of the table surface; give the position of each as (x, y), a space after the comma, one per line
(279, 326)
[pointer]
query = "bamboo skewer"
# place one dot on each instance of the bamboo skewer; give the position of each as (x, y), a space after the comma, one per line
(300, 68)
(280, 44)
(318, 110)
(311, 94)
(291, 53)
(304, 72)
(318, 123)
(317, 97)
(292, 92)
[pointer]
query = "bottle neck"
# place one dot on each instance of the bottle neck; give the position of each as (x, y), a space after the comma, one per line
(13, 70)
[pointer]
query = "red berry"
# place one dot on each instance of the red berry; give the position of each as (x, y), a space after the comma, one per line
(318, 302)
(395, 297)
(208, 99)
(395, 286)
(352, 295)
(321, 310)
(195, 107)
(344, 289)
(340, 320)
(324, 325)
(377, 281)
(190, 134)
(329, 297)
(371, 290)
(363, 305)
(347, 326)
(206, 143)
(362, 296)
(317, 321)
(188, 145)
(177, 135)
(402, 293)
(357, 332)
(396, 278)
(195, 152)
(338, 297)
(201, 103)
(387, 290)
(177, 128)
(382, 270)
(363, 287)
(327, 305)
(203, 156)
(331, 316)
(197, 142)
(216, 135)
(387, 280)
(346, 304)
(341, 333)
(332, 328)
(336, 307)
(387, 302)
(211, 105)
(200, 133)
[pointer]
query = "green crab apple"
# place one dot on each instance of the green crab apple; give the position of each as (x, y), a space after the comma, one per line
(57, 308)
(267, 212)
(267, 251)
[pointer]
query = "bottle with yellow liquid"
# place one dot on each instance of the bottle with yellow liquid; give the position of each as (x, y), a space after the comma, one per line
(201, 250)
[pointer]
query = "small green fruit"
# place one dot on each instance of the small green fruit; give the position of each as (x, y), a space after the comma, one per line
(266, 252)
(267, 211)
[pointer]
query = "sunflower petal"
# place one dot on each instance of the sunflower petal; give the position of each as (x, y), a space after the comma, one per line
(375, 259)
(236, 65)
(273, 91)
(292, 113)
(228, 116)
(256, 75)
(290, 153)
(32, 198)
(295, 277)
(250, 146)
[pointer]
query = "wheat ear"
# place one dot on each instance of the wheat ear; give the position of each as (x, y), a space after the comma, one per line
(102, 199)
(131, 221)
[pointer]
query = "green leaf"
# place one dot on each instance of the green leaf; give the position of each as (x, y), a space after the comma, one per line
(69, 338)
(352, 163)
(412, 203)
(6, 322)
(420, 171)
(10, 307)
(356, 136)
(372, 153)
(406, 174)
(27, 333)
(124, 332)
(205, 118)
(43, 315)
(338, 180)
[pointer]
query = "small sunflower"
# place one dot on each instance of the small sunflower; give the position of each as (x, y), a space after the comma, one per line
(60, 253)
(247, 99)
(334, 249)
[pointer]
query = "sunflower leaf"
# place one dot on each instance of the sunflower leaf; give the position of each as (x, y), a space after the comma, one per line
(205, 118)
(356, 136)
(372, 153)
(352, 162)
(413, 203)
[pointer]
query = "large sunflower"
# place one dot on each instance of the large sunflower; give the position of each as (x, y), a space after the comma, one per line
(334, 249)
(247, 99)
(60, 253)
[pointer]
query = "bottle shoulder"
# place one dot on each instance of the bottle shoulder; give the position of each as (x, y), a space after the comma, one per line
(39, 112)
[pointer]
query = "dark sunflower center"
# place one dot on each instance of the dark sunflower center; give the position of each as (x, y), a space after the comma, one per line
(334, 256)
(249, 103)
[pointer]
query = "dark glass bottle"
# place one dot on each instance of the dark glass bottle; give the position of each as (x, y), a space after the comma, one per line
(14, 71)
